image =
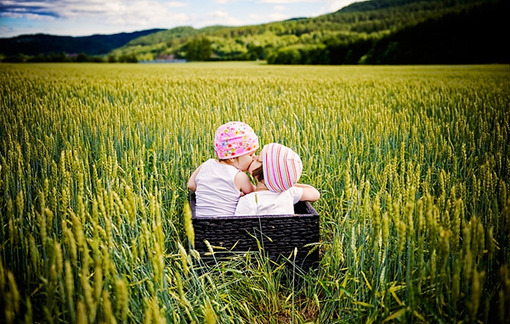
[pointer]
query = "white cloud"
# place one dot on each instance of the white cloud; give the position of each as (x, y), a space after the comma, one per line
(177, 4)
(276, 16)
(319, 7)
(143, 14)
(216, 17)
(94, 9)
(29, 16)
(335, 5)
(289, 1)
(326, 6)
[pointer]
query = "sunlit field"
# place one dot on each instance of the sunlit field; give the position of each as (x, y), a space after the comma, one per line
(412, 163)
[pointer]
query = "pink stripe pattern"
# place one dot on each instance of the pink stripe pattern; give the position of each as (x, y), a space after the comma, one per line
(282, 167)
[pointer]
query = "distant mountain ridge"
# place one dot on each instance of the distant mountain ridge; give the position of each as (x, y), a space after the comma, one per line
(368, 32)
(90, 45)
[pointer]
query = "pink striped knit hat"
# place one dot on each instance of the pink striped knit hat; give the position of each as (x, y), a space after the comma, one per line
(234, 139)
(282, 167)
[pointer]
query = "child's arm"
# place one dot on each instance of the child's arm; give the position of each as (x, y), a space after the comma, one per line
(309, 192)
(192, 184)
(243, 183)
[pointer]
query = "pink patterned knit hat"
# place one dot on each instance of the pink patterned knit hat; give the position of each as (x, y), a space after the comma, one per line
(234, 139)
(282, 167)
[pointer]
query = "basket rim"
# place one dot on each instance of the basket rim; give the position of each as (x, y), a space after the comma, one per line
(219, 217)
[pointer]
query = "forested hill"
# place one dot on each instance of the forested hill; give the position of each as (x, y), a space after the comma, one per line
(90, 45)
(371, 32)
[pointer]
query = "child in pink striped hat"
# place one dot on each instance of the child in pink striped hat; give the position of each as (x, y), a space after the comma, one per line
(277, 171)
(218, 183)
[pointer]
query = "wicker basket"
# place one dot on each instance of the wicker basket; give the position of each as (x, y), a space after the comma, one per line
(276, 235)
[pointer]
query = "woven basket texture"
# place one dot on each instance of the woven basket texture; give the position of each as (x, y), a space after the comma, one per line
(275, 235)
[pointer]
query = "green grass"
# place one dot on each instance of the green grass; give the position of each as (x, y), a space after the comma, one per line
(412, 163)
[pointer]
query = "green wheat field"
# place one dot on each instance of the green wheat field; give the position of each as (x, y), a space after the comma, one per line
(412, 162)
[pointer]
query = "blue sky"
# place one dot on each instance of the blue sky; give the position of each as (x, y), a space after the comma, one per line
(88, 17)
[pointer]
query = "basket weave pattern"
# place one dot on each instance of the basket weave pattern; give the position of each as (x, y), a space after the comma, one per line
(277, 235)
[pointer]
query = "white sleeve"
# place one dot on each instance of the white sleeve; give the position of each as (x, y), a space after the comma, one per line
(296, 193)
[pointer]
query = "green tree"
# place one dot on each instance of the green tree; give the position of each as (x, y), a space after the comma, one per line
(289, 55)
(82, 57)
(199, 49)
(128, 58)
(111, 59)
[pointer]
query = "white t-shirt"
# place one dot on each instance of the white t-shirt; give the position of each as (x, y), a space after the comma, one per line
(269, 203)
(216, 193)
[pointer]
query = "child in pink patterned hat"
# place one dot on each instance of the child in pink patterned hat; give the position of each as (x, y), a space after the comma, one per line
(277, 171)
(218, 183)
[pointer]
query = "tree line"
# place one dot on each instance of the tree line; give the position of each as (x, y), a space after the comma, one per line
(63, 57)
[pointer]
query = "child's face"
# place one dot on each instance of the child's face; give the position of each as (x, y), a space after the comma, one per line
(245, 161)
(255, 164)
